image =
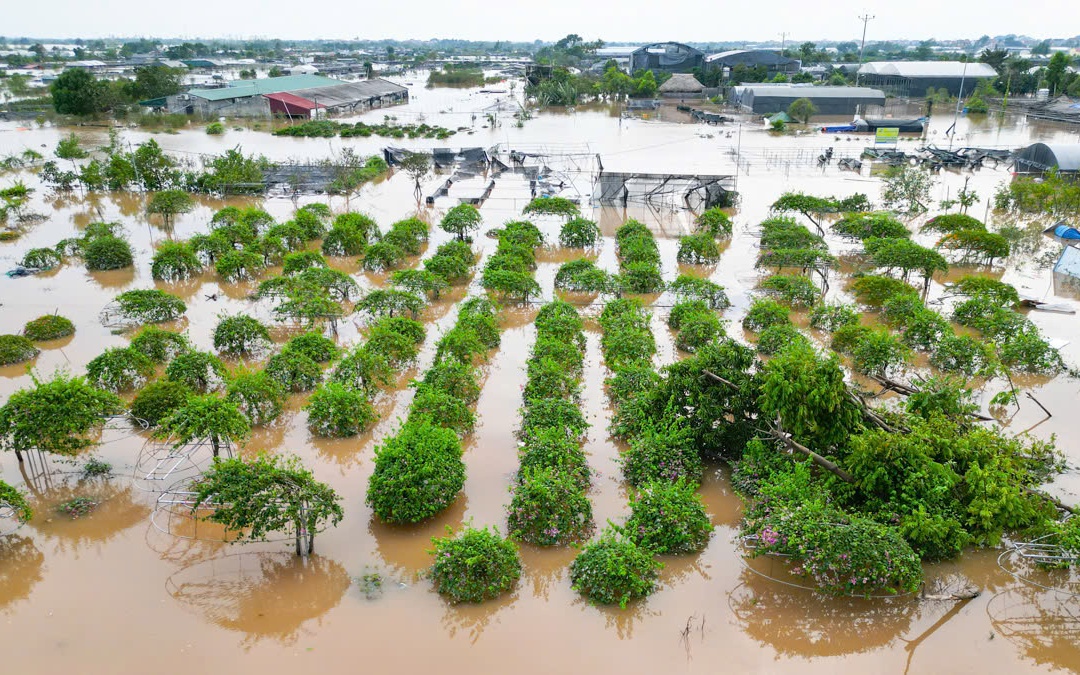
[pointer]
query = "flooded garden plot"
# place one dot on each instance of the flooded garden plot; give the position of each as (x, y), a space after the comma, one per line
(175, 591)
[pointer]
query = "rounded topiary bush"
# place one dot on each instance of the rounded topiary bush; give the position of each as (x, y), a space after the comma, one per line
(418, 473)
(158, 400)
(174, 261)
(474, 566)
(775, 338)
(107, 253)
(158, 344)
(337, 411)
(668, 518)
(665, 454)
(314, 345)
(240, 335)
(149, 306)
(16, 349)
(258, 396)
(551, 449)
(763, 313)
(442, 409)
(579, 233)
(201, 371)
(48, 327)
(295, 371)
(119, 369)
(549, 508)
(614, 570)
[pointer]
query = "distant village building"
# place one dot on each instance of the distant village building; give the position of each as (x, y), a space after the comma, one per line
(666, 57)
(768, 98)
(305, 95)
(914, 78)
(774, 62)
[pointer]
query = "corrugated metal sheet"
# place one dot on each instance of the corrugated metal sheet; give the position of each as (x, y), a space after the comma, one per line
(348, 93)
(284, 103)
(927, 69)
(268, 85)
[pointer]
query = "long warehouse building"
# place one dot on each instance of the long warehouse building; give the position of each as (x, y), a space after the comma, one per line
(291, 95)
(771, 98)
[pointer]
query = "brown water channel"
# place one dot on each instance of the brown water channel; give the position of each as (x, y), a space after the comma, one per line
(110, 593)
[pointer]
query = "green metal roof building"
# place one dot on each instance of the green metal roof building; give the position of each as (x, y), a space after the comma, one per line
(267, 85)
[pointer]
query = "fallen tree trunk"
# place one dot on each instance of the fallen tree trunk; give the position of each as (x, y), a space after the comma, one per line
(824, 463)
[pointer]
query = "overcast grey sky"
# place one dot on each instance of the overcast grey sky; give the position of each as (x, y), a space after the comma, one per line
(625, 20)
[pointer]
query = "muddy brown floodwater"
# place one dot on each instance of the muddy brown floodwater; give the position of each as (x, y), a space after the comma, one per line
(111, 593)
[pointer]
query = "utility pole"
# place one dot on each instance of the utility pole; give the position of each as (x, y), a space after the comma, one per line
(783, 42)
(865, 18)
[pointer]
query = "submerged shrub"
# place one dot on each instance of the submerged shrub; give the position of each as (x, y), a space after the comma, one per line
(775, 338)
(583, 276)
(877, 352)
(474, 566)
(442, 409)
(41, 259)
(258, 396)
(16, 349)
(874, 291)
(614, 570)
(662, 454)
(240, 335)
(48, 327)
(337, 411)
(764, 313)
(668, 518)
(697, 249)
(200, 371)
(294, 370)
(550, 449)
(549, 508)
(961, 354)
(149, 306)
(579, 233)
(119, 369)
(158, 399)
(687, 287)
(174, 261)
(237, 265)
(107, 253)
(418, 473)
(158, 344)
(795, 290)
(714, 222)
(314, 345)
(830, 317)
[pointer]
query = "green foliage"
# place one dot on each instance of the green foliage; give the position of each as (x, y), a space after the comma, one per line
(397, 339)
(107, 253)
(697, 249)
(714, 223)
(877, 352)
(907, 189)
(764, 313)
(474, 566)
(948, 223)
(549, 449)
(628, 339)
(925, 329)
(961, 354)
(583, 276)
(253, 498)
(168, 204)
(1052, 193)
(239, 265)
(452, 261)
(158, 344)
(554, 206)
(174, 261)
(240, 335)
(614, 570)
(874, 290)
(149, 306)
(461, 220)
(205, 417)
(442, 409)
(662, 453)
(201, 371)
(314, 345)
(802, 109)
(298, 261)
(668, 518)
(998, 292)
(579, 233)
(47, 327)
(55, 415)
(215, 129)
(862, 226)
(119, 369)
(511, 285)
(418, 473)
(421, 283)
(14, 499)
(40, 258)
(829, 317)
(977, 246)
(796, 291)
(337, 411)
(294, 370)
(349, 235)
(778, 337)
(259, 397)
(906, 256)
(687, 287)
(697, 325)
(158, 399)
(548, 508)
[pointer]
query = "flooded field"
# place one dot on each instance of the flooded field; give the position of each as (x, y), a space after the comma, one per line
(113, 593)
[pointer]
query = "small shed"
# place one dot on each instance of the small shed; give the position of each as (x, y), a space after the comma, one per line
(1039, 158)
(682, 84)
(290, 105)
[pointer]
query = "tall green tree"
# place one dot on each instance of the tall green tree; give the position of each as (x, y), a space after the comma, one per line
(77, 92)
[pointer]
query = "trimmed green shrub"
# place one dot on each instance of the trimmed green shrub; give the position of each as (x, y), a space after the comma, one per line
(549, 448)
(418, 473)
(948, 223)
(549, 508)
(119, 369)
(715, 223)
(337, 411)
(461, 221)
(259, 397)
(613, 570)
(641, 277)
(863, 226)
(158, 344)
(455, 378)
(16, 349)
(107, 253)
(877, 352)
(397, 338)
(174, 261)
(314, 345)
(668, 518)
(764, 313)
(55, 415)
(421, 283)
(474, 566)
(560, 413)
(796, 290)
(662, 454)
(961, 354)
(687, 287)
(298, 261)
(775, 338)
(552, 206)
(442, 409)
(831, 317)
(48, 327)
(240, 335)
(149, 306)
(583, 276)
(364, 369)
(240, 265)
(579, 233)
(998, 292)
(452, 261)
(158, 399)
(41, 259)
(698, 330)
(294, 370)
(874, 291)
(201, 371)
(698, 249)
